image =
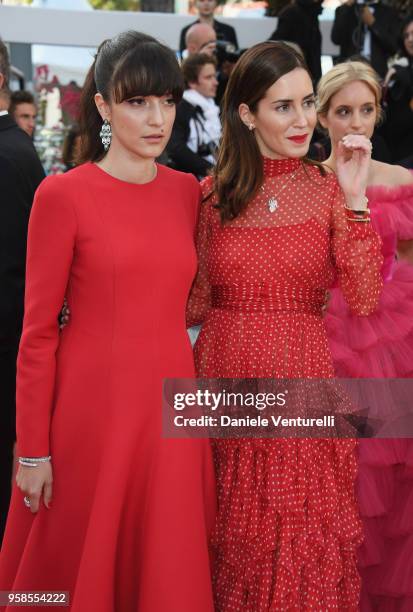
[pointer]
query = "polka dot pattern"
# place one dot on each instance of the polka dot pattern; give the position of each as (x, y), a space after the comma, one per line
(287, 529)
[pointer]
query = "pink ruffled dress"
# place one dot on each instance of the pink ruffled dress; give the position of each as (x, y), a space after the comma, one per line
(379, 346)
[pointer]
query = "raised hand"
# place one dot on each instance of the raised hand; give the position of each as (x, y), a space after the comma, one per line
(353, 165)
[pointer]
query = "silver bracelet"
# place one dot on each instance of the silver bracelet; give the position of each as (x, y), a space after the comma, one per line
(33, 461)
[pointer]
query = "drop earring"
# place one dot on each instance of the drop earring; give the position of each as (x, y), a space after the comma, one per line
(106, 134)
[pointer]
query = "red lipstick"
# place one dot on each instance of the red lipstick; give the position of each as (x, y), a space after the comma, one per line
(298, 139)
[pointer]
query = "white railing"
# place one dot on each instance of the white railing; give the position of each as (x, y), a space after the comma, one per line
(30, 25)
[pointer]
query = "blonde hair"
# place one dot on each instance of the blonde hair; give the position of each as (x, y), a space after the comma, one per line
(343, 74)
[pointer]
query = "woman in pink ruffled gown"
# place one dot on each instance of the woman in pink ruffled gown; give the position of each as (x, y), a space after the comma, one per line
(379, 345)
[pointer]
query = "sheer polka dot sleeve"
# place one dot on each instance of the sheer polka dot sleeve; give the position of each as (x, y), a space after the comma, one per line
(199, 301)
(356, 250)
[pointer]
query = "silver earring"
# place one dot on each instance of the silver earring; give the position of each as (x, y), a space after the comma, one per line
(106, 134)
(251, 127)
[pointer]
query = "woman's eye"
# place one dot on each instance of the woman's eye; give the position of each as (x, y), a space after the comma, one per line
(137, 101)
(368, 110)
(170, 102)
(283, 108)
(309, 103)
(342, 112)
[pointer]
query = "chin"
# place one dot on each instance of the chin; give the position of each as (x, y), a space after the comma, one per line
(151, 151)
(298, 152)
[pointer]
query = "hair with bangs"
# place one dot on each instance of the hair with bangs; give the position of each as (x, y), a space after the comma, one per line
(341, 75)
(125, 66)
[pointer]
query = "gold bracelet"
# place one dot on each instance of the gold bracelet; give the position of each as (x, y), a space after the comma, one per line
(365, 201)
(358, 212)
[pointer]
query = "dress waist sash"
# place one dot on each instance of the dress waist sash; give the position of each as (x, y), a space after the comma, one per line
(268, 297)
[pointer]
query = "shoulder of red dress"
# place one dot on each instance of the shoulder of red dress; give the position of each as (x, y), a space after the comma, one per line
(67, 187)
(75, 175)
(207, 187)
(184, 180)
(174, 175)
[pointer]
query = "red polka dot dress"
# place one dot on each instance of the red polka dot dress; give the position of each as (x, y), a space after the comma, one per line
(288, 528)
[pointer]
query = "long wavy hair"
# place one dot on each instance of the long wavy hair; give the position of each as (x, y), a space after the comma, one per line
(239, 171)
(127, 65)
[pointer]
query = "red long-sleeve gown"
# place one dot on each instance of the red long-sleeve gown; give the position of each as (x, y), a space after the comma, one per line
(288, 528)
(127, 529)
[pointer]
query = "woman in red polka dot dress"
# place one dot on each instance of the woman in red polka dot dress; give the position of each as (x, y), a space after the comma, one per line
(274, 231)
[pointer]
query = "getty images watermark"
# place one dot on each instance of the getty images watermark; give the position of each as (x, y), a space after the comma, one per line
(206, 399)
(271, 408)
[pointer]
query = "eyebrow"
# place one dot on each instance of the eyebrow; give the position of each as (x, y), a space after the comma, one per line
(307, 97)
(349, 105)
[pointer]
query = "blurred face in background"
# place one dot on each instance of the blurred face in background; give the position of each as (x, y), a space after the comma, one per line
(201, 38)
(207, 82)
(408, 39)
(25, 117)
(352, 110)
(206, 8)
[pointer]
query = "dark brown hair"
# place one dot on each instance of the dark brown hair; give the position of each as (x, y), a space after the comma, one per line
(127, 65)
(20, 97)
(239, 172)
(191, 67)
(68, 153)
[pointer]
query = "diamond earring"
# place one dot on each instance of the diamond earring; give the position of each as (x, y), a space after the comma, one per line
(106, 134)
(251, 127)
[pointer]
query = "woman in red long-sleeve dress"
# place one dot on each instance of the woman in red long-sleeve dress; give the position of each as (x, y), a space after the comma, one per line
(273, 233)
(123, 527)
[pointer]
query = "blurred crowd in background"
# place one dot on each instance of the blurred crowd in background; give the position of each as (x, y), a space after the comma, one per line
(375, 31)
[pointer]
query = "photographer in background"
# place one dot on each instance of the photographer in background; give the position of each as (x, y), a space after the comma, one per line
(298, 23)
(197, 128)
(200, 38)
(206, 9)
(227, 57)
(366, 28)
(398, 99)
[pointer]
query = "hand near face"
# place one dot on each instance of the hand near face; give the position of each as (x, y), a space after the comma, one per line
(353, 164)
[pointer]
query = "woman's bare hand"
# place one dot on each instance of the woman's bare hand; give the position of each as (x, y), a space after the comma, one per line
(35, 483)
(353, 165)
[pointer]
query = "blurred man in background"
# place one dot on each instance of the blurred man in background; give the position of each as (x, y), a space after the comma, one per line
(23, 110)
(298, 23)
(366, 28)
(200, 38)
(197, 128)
(223, 31)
